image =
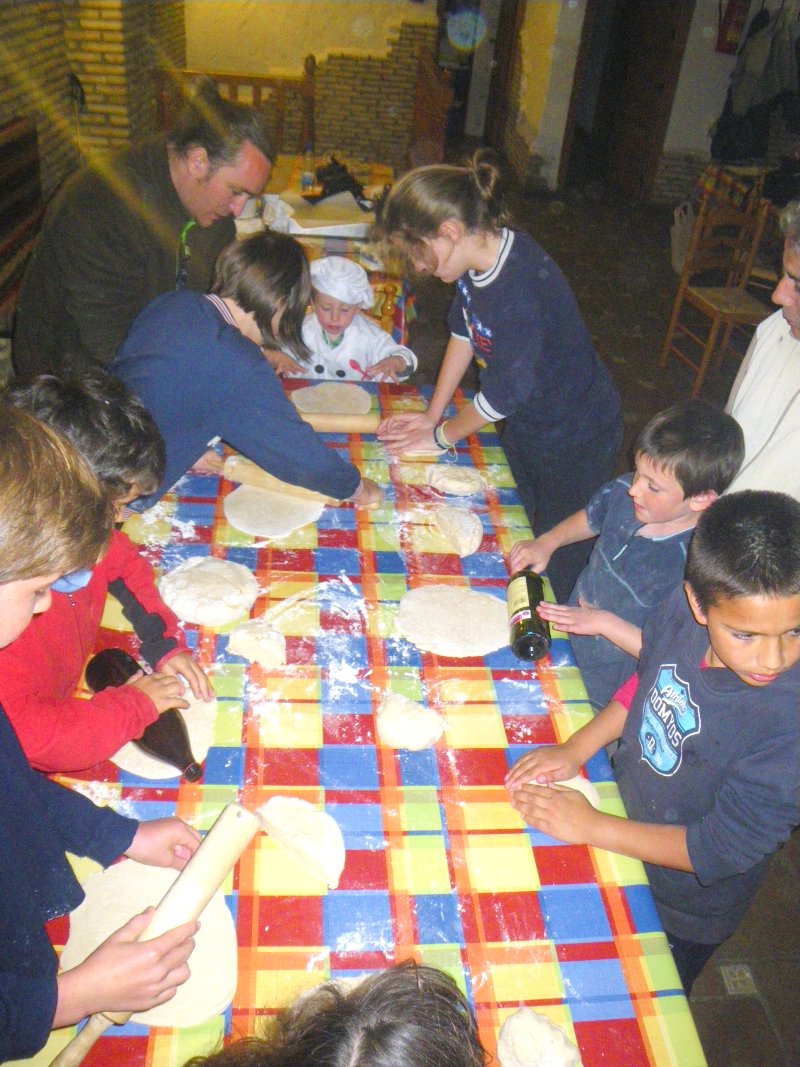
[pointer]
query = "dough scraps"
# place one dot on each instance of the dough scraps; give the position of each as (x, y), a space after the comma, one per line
(259, 642)
(452, 621)
(125, 889)
(268, 513)
(460, 528)
(199, 717)
(582, 785)
(528, 1039)
(209, 591)
(457, 481)
(311, 836)
(402, 723)
(332, 398)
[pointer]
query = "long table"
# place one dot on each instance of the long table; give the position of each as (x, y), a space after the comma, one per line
(439, 866)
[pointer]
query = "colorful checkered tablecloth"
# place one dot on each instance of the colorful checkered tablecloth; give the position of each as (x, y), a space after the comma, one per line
(439, 866)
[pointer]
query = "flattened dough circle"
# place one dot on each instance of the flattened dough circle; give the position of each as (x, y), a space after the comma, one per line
(266, 513)
(199, 718)
(403, 723)
(125, 889)
(451, 621)
(311, 836)
(332, 398)
(209, 591)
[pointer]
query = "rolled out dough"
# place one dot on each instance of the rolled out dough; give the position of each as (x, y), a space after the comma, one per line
(199, 718)
(266, 513)
(209, 591)
(332, 398)
(115, 895)
(461, 529)
(402, 723)
(313, 837)
(457, 481)
(451, 621)
(259, 642)
(528, 1039)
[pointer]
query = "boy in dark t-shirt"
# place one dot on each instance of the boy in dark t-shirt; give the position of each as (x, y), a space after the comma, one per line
(709, 731)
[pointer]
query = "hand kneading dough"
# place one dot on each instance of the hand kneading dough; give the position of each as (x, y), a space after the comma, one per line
(528, 1039)
(402, 723)
(453, 622)
(199, 717)
(310, 835)
(457, 481)
(113, 896)
(209, 591)
(583, 785)
(266, 513)
(258, 642)
(461, 529)
(332, 398)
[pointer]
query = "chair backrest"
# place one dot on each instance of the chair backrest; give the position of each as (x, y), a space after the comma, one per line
(288, 101)
(723, 243)
(21, 208)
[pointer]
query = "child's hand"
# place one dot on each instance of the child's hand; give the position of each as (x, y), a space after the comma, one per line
(370, 497)
(535, 554)
(184, 664)
(389, 369)
(582, 620)
(123, 974)
(165, 690)
(283, 364)
(547, 763)
(555, 810)
(163, 843)
(408, 433)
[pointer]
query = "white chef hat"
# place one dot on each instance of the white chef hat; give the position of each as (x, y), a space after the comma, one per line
(343, 280)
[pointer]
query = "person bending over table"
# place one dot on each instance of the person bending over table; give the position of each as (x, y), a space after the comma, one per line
(150, 219)
(196, 362)
(516, 314)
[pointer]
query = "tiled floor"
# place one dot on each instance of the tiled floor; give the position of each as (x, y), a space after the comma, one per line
(616, 256)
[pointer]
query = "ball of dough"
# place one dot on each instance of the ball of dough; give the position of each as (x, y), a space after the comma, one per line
(258, 642)
(583, 785)
(402, 723)
(528, 1039)
(461, 529)
(457, 481)
(209, 591)
(313, 837)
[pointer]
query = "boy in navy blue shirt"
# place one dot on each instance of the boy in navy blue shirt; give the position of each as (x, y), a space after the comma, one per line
(709, 731)
(685, 457)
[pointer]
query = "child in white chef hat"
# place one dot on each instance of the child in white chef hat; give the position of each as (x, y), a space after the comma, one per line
(344, 344)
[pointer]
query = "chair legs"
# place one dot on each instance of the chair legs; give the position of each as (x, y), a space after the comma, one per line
(705, 359)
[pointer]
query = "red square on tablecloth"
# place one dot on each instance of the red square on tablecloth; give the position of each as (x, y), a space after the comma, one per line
(290, 921)
(564, 864)
(511, 917)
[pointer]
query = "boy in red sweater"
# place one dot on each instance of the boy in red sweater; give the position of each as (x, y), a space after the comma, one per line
(39, 672)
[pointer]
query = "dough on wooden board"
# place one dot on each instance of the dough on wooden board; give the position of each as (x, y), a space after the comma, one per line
(451, 621)
(125, 889)
(332, 398)
(457, 481)
(259, 642)
(267, 513)
(528, 1039)
(402, 723)
(199, 717)
(461, 529)
(209, 591)
(311, 836)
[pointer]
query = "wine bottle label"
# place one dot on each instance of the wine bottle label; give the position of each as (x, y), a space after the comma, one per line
(519, 606)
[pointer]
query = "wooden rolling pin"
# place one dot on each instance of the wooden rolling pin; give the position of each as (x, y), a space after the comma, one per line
(327, 423)
(239, 469)
(185, 899)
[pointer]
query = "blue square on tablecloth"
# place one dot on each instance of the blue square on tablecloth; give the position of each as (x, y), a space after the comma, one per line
(642, 908)
(503, 659)
(593, 980)
(337, 519)
(172, 555)
(438, 919)
(145, 810)
(194, 511)
(484, 565)
(335, 649)
(361, 825)
(348, 767)
(418, 768)
(341, 696)
(224, 766)
(520, 697)
(574, 913)
(357, 921)
(389, 563)
(401, 653)
(200, 485)
(598, 767)
(336, 560)
(246, 555)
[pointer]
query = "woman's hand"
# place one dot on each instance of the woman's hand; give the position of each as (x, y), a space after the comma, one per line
(408, 433)
(370, 497)
(209, 463)
(284, 365)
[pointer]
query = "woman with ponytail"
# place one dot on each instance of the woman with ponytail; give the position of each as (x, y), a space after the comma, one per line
(515, 314)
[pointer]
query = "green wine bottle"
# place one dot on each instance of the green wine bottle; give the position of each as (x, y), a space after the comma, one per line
(528, 632)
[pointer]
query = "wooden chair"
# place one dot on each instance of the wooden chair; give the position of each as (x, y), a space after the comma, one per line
(21, 210)
(713, 286)
(289, 101)
(385, 294)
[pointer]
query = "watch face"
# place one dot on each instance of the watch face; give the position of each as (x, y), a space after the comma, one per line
(466, 29)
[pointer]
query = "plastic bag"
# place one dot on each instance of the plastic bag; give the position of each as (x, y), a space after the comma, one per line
(680, 234)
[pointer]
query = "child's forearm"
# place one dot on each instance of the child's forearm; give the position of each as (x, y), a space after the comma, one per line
(664, 846)
(468, 420)
(625, 635)
(457, 357)
(569, 531)
(605, 727)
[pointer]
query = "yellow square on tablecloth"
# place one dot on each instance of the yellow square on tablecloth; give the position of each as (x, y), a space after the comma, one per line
(491, 815)
(535, 980)
(277, 874)
(282, 724)
(474, 726)
(501, 863)
(419, 865)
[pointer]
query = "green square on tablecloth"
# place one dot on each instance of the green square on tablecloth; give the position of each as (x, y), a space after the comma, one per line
(421, 809)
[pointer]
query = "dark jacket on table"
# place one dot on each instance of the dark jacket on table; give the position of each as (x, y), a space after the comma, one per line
(109, 245)
(39, 822)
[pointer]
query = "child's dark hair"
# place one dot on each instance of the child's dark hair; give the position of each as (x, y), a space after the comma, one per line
(746, 544)
(408, 1014)
(698, 443)
(109, 426)
(419, 202)
(266, 274)
(220, 126)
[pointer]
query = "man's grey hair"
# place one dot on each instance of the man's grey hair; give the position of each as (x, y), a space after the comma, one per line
(790, 224)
